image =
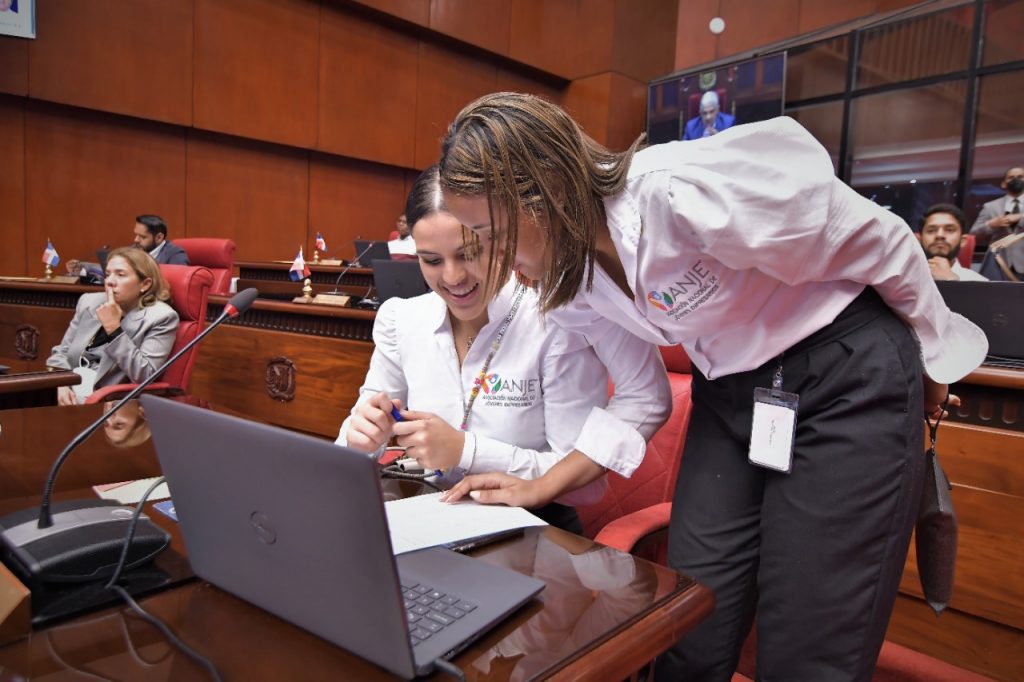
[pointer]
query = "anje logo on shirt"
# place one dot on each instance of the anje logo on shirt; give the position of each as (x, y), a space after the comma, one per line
(687, 293)
(498, 391)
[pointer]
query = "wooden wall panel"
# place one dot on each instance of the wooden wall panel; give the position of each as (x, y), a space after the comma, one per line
(256, 68)
(537, 35)
(448, 81)
(750, 24)
(416, 11)
(484, 23)
(126, 57)
(651, 23)
(593, 36)
(252, 192)
(512, 81)
(368, 78)
(627, 115)
(588, 101)
(353, 200)
(89, 174)
(13, 256)
(815, 15)
(14, 74)
(695, 43)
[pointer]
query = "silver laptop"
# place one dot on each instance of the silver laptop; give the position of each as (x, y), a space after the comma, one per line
(398, 279)
(996, 307)
(296, 525)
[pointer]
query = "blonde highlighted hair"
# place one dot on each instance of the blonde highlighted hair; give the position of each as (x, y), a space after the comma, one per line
(525, 153)
(146, 268)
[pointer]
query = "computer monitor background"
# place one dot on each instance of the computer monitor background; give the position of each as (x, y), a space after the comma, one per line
(752, 90)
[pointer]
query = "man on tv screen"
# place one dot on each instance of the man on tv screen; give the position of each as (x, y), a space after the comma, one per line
(710, 121)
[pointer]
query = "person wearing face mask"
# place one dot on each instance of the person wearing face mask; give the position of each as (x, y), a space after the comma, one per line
(1003, 216)
(121, 335)
(484, 385)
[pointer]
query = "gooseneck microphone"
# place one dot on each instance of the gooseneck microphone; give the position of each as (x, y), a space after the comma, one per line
(76, 545)
(351, 264)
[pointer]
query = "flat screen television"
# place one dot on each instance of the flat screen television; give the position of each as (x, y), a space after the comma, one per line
(747, 91)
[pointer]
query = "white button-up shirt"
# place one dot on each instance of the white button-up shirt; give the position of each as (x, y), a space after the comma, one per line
(740, 245)
(546, 390)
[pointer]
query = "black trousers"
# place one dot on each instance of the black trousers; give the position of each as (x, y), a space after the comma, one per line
(818, 552)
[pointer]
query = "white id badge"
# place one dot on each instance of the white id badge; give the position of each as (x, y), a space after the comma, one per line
(84, 389)
(774, 429)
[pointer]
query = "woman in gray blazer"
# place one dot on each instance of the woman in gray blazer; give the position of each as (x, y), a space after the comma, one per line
(122, 335)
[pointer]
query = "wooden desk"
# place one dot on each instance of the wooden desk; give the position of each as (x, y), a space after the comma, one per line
(298, 366)
(273, 281)
(34, 389)
(598, 619)
(981, 448)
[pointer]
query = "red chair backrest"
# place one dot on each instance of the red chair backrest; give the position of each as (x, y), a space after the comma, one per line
(654, 480)
(216, 254)
(190, 288)
(966, 254)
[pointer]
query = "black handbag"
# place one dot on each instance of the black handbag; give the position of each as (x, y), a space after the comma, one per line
(937, 532)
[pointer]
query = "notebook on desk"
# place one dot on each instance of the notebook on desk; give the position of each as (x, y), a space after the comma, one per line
(296, 526)
(996, 307)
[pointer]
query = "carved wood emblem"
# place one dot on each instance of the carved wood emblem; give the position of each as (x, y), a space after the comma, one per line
(26, 342)
(280, 379)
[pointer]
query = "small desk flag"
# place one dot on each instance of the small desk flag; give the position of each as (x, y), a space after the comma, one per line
(320, 243)
(299, 268)
(50, 256)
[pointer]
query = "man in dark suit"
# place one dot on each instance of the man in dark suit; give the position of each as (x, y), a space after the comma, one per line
(151, 235)
(710, 121)
(1005, 215)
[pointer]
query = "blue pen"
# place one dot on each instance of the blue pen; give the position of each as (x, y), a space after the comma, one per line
(398, 418)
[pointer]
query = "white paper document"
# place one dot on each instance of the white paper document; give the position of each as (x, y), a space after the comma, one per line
(130, 492)
(424, 521)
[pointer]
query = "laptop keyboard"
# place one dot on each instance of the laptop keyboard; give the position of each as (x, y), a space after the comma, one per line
(430, 611)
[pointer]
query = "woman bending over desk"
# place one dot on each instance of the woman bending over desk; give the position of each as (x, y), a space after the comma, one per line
(487, 386)
(121, 335)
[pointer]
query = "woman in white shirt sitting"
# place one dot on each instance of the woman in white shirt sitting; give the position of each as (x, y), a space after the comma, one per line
(488, 385)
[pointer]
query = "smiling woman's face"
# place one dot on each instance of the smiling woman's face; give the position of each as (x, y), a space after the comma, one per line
(450, 266)
(529, 257)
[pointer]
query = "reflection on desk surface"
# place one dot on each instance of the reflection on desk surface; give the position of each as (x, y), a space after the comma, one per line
(592, 593)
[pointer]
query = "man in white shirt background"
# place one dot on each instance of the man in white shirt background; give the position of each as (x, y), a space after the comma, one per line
(942, 235)
(1003, 216)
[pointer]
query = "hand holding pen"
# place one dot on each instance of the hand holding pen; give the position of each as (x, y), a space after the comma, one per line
(428, 439)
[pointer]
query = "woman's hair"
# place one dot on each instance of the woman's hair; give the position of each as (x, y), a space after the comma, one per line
(424, 198)
(523, 152)
(146, 268)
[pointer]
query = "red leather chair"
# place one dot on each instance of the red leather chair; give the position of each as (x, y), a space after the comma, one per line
(216, 254)
(634, 512)
(966, 251)
(190, 288)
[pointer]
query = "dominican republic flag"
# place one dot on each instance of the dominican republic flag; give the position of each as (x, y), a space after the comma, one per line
(299, 268)
(320, 243)
(50, 256)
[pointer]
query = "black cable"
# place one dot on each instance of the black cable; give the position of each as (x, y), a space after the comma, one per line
(394, 471)
(450, 668)
(145, 615)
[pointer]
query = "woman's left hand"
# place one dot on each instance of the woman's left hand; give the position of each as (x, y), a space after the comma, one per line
(429, 440)
(109, 313)
(935, 394)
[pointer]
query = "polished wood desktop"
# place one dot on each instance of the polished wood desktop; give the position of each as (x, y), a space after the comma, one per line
(273, 280)
(34, 389)
(602, 615)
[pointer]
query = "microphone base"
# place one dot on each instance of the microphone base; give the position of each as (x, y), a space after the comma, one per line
(84, 543)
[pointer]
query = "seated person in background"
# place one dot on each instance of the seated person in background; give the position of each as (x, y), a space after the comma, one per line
(150, 234)
(120, 335)
(710, 121)
(1005, 215)
(490, 386)
(404, 245)
(942, 235)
